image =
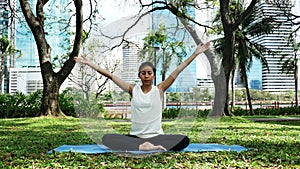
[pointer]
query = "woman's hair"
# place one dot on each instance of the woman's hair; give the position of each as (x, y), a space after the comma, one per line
(147, 64)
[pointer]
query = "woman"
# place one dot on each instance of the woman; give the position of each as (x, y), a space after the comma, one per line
(146, 109)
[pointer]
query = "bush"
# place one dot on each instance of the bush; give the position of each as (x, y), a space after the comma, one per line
(172, 113)
(88, 108)
(281, 111)
(20, 105)
(66, 103)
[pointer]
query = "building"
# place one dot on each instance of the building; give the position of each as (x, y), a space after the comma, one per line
(57, 34)
(273, 80)
(7, 29)
(255, 75)
(28, 80)
(26, 68)
(187, 78)
(130, 64)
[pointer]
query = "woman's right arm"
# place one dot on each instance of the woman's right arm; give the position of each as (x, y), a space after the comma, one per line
(118, 81)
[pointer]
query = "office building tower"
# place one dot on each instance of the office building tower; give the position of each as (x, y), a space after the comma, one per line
(26, 72)
(7, 29)
(29, 80)
(130, 64)
(7, 22)
(255, 75)
(273, 80)
(188, 78)
(57, 33)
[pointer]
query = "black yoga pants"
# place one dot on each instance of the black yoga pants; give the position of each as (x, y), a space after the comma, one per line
(171, 142)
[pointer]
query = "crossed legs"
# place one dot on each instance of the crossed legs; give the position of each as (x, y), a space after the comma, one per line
(133, 143)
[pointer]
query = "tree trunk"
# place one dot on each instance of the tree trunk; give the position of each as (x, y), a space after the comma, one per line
(228, 61)
(2, 73)
(227, 111)
(220, 94)
(217, 74)
(51, 80)
(232, 90)
(248, 92)
(296, 83)
(50, 105)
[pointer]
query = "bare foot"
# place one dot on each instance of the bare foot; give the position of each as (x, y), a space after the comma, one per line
(148, 146)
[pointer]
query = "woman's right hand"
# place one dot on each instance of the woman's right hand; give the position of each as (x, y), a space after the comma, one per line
(202, 48)
(81, 59)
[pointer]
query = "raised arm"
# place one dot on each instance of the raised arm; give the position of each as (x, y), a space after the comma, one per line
(121, 83)
(163, 86)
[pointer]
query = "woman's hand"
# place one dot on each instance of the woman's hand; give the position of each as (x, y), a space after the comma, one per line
(81, 59)
(202, 48)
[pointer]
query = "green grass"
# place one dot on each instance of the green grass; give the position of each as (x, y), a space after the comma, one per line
(24, 144)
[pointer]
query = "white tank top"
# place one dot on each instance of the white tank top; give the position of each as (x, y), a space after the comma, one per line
(146, 112)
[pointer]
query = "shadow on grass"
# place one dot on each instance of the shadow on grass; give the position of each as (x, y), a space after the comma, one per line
(29, 139)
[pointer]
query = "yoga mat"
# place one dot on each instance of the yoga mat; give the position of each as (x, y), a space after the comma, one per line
(193, 147)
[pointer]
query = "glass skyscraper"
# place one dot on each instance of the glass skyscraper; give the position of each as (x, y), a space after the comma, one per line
(255, 75)
(56, 30)
(187, 79)
(25, 75)
(7, 29)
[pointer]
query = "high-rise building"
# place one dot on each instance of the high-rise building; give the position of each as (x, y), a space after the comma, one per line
(273, 80)
(29, 80)
(7, 29)
(57, 33)
(187, 78)
(26, 68)
(130, 63)
(255, 75)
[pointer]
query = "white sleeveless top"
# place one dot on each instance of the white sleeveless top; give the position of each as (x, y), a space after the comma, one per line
(146, 112)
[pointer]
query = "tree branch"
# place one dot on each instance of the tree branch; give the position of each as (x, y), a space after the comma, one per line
(69, 64)
(245, 14)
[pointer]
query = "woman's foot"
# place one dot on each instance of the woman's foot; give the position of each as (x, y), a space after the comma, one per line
(148, 146)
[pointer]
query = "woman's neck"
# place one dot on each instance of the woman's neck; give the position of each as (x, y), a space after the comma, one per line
(146, 88)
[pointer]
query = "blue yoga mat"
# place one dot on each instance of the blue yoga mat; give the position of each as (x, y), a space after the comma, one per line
(98, 149)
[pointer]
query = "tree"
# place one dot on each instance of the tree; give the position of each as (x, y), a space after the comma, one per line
(220, 75)
(230, 25)
(51, 80)
(90, 78)
(290, 65)
(245, 49)
(6, 49)
(171, 49)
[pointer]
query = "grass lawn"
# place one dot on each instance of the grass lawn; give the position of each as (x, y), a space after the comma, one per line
(24, 144)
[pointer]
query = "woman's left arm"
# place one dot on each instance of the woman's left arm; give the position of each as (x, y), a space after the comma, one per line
(163, 86)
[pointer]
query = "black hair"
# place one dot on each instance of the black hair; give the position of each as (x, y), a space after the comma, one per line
(147, 64)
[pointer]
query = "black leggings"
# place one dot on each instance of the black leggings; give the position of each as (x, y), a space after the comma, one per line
(131, 142)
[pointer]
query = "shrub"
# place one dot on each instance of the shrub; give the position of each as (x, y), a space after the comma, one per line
(66, 103)
(172, 113)
(20, 105)
(281, 111)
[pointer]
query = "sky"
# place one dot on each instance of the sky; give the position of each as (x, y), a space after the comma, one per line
(114, 10)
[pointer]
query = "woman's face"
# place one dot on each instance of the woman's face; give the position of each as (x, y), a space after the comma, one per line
(147, 75)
